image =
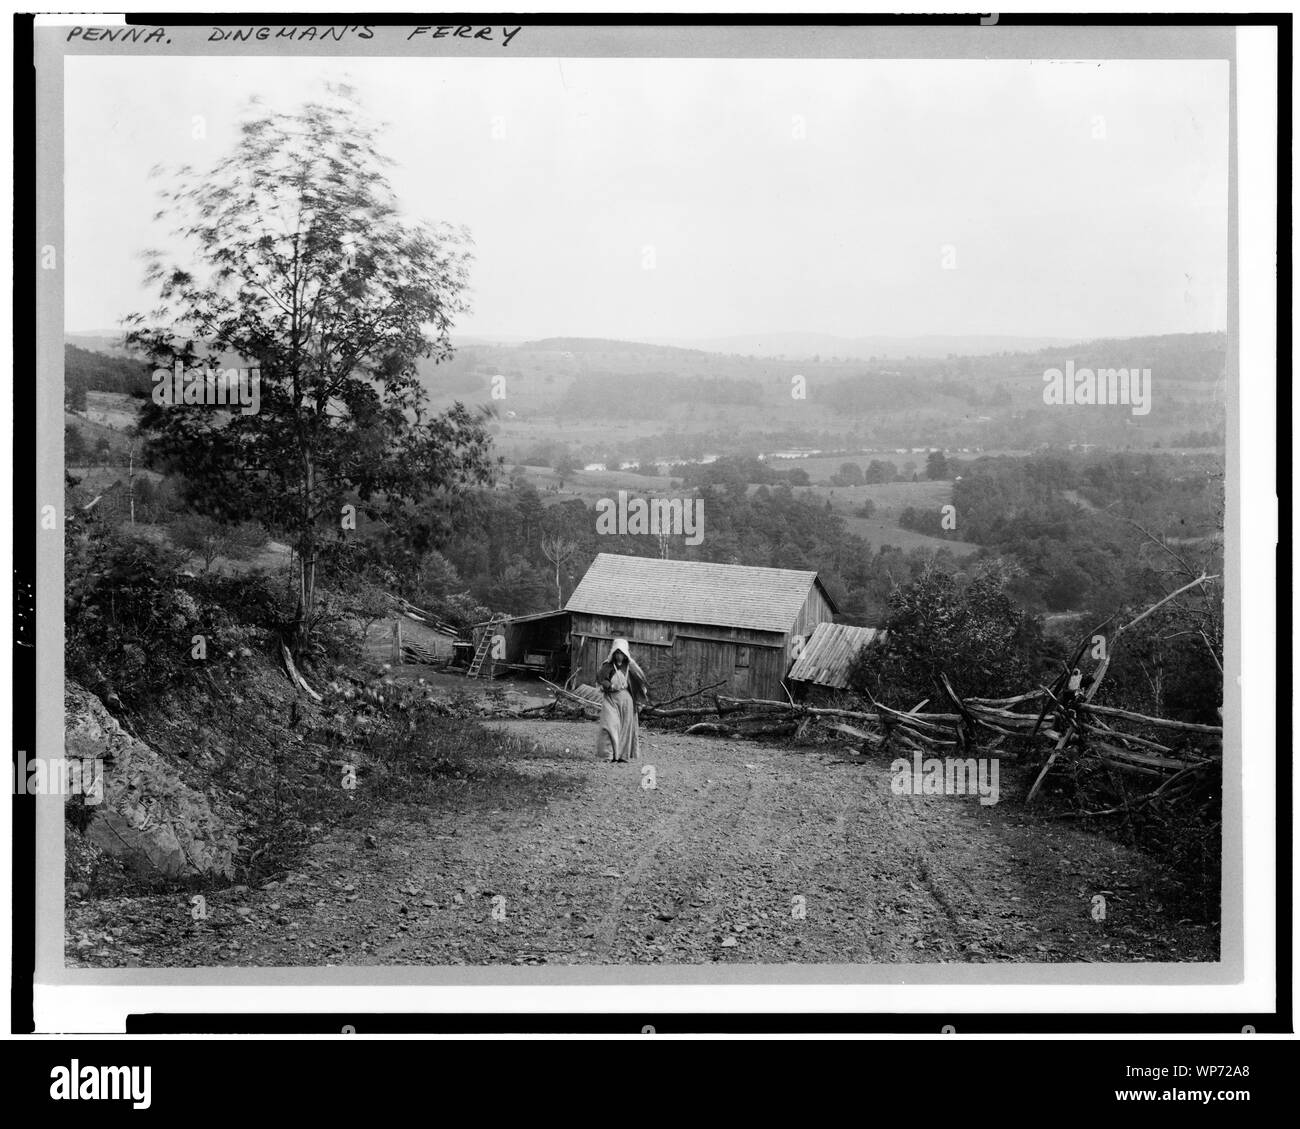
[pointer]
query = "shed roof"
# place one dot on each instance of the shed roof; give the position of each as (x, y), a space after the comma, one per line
(535, 616)
(826, 657)
(761, 599)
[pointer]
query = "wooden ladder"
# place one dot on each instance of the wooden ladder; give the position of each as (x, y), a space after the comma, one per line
(484, 647)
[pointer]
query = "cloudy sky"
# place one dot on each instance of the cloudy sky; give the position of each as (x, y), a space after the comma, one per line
(1075, 199)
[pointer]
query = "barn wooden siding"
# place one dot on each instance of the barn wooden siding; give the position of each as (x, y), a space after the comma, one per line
(816, 609)
(748, 662)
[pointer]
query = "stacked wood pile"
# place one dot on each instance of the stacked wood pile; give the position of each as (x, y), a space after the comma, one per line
(413, 652)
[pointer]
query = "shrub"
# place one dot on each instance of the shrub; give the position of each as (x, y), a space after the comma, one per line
(127, 622)
(966, 628)
(209, 539)
(131, 615)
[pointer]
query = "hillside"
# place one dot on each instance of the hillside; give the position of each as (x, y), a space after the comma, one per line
(651, 420)
(666, 402)
(809, 345)
(601, 345)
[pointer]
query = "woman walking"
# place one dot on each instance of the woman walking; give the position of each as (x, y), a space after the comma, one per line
(624, 691)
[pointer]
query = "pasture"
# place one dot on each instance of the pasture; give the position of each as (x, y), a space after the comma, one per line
(890, 499)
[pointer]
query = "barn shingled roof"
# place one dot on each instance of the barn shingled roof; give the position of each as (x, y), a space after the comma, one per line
(826, 657)
(719, 595)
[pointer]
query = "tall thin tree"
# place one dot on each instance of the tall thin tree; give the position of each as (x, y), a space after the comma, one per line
(298, 263)
(557, 550)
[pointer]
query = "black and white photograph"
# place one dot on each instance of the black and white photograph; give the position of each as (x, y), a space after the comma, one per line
(754, 509)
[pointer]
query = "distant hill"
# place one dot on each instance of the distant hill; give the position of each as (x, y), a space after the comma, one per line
(602, 345)
(799, 345)
(107, 341)
(468, 340)
(1182, 357)
(1178, 358)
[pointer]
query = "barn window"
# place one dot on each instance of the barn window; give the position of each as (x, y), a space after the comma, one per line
(742, 656)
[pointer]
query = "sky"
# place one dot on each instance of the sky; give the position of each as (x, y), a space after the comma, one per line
(657, 198)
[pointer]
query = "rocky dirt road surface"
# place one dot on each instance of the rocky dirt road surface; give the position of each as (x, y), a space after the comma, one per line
(738, 853)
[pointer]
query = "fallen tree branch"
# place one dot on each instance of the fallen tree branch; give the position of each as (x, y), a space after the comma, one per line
(294, 677)
(1013, 701)
(849, 731)
(1116, 735)
(1203, 578)
(1159, 722)
(689, 694)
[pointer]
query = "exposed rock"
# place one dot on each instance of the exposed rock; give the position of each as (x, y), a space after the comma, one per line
(148, 817)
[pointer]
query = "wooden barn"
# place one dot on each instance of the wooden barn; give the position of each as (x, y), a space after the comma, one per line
(692, 623)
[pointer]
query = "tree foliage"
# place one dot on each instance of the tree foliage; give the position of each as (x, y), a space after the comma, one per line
(968, 628)
(298, 263)
(936, 465)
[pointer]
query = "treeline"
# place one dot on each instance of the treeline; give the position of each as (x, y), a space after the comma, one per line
(653, 395)
(669, 443)
(604, 345)
(1084, 528)
(736, 472)
(1172, 358)
(85, 371)
(857, 395)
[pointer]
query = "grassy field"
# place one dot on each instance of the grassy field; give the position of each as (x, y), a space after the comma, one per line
(877, 532)
(113, 409)
(592, 485)
(92, 432)
(98, 478)
(882, 528)
(890, 499)
(611, 435)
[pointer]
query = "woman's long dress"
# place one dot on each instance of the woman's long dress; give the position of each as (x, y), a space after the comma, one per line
(617, 739)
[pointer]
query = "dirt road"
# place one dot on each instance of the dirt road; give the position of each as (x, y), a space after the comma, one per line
(738, 853)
